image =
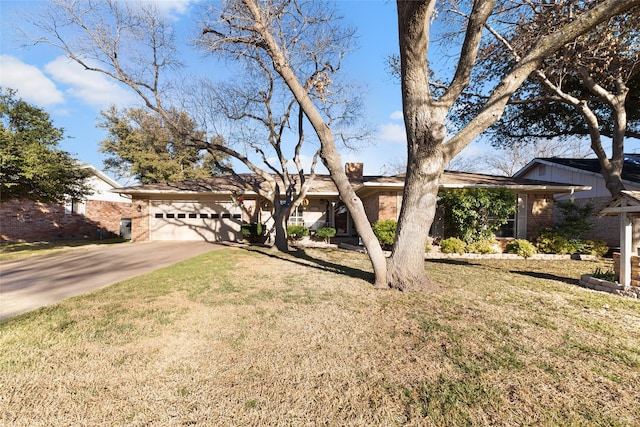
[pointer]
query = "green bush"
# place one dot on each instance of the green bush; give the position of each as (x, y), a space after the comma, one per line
(297, 232)
(554, 243)
(521, 247)
(452, 245)
(482, 247)
(254, 229)
(594, 247)
(385, 231)
(326, 233)
(608, 275)
(477, 213)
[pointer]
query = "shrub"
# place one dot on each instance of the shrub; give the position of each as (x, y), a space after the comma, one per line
(297, 232)
(575, 219)
(326, 233)
(595, 247)
(385, 231)
(482, 247)
(553, 243)
(608, 275)
(476, 214)
(452, 245)
(521, 247)
(254, 229)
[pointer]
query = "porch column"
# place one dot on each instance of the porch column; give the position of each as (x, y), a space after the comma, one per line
(626, 235)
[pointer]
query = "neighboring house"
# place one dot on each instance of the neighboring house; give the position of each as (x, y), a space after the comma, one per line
(586, 172)
(213, 209)
(102, 214)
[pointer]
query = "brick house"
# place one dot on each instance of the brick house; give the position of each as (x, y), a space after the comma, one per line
(101, 214)
(586, 172)
(213, 209)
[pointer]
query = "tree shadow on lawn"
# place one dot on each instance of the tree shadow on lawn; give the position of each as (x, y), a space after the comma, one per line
(534, 274)
(547, 276)
(301, 256)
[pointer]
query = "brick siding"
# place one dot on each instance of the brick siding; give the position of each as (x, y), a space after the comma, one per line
(28, 221)
(140, 220)
(606, 228)
(539, 214)
(635, 268)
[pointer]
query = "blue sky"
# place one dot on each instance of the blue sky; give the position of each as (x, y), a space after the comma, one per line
(74, 97)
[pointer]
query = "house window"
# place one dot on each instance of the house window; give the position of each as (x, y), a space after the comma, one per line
(508, 229)
(74, 206)
(542, 170)
(297, 216)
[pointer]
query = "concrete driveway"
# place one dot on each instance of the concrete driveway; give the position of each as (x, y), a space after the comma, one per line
(35, 282)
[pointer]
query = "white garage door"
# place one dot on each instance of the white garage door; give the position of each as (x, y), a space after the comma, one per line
(210, 220)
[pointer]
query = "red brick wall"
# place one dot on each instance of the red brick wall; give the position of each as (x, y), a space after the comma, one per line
(28, 221)
(381, 206)
(539, 214)
(371, 207)
(635, 268)
(140, 220)
(389, 208)
(606, 228)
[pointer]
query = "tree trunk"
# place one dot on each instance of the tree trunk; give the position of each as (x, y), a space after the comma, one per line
(405, 267)
(332, 161)
(329, 153)
(424, 125)
(280, 218)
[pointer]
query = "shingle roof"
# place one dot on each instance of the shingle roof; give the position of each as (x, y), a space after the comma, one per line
(630, 169)
(323, 184)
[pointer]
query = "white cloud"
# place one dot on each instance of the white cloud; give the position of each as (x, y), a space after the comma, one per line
(89, 87)
(392, 132)
(171, 8)
(397, 115)
(31, 83)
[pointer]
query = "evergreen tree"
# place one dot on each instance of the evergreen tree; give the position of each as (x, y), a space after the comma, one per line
(31, 165)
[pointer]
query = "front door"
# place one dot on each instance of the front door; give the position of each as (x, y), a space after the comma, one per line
(342, 220)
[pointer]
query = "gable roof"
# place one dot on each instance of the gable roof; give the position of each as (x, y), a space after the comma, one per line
(625, 201)
(322, 185)
(630, 169)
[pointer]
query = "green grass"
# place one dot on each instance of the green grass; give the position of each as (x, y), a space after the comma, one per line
(249, 337)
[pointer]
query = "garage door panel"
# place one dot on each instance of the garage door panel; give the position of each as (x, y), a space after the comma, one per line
(191, 220)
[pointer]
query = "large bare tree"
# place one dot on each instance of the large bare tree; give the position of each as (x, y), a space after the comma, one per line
(303, 43)
(425, 111)
(134, 44)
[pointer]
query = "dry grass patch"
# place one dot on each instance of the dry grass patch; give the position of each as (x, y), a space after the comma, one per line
(239, 337)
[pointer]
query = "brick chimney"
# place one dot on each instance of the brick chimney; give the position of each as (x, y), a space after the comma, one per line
(354, 171)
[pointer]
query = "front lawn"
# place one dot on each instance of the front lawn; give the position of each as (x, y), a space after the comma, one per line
(246, 337)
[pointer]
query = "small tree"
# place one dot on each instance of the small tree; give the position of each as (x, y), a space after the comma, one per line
(139, 144)
(575, 219)
(476, 214)
(31, 165)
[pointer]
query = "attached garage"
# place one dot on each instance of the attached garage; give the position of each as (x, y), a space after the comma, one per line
(208, 219)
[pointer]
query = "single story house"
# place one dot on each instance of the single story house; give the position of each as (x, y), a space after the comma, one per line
(586, 172)
(101, 214)
(213, 209)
